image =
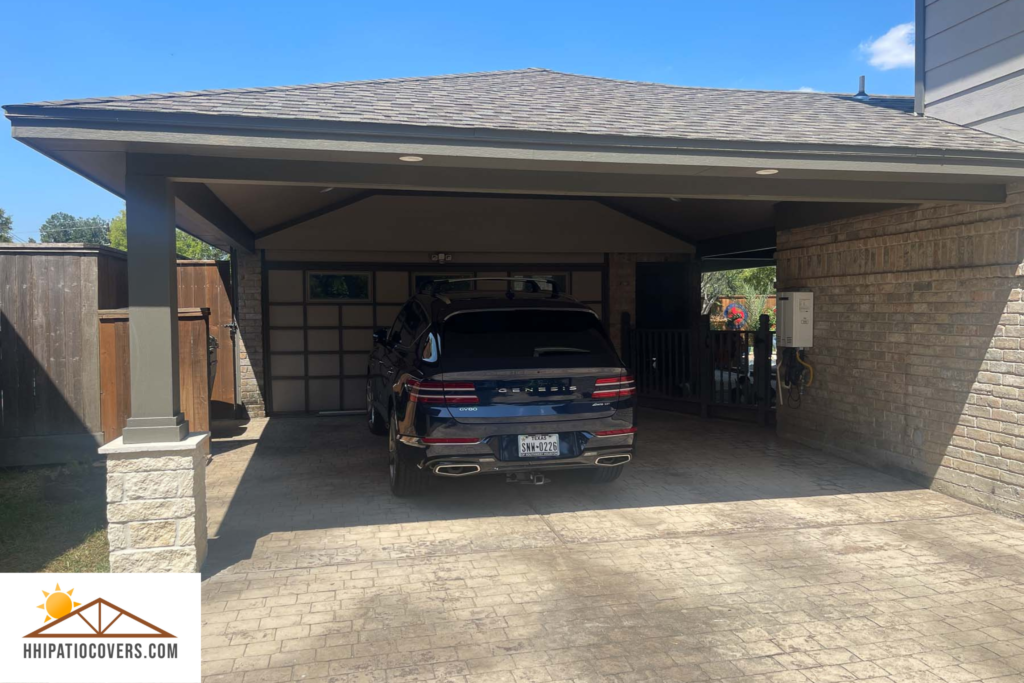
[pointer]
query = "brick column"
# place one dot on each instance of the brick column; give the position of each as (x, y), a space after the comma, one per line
(250, 332)
(156, 505)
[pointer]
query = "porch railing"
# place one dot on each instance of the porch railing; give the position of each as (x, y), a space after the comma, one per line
(713, 372)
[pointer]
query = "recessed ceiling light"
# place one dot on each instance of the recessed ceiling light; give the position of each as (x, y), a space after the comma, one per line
(326, 190)
(410, 158)
(767, 171)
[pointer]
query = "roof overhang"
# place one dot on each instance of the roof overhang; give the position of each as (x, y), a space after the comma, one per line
(194, 149)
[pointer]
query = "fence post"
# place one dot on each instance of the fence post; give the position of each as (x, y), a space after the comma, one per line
(763, 367)
(707, 371)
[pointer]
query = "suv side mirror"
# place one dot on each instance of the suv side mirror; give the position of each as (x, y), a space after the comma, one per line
(380, 336)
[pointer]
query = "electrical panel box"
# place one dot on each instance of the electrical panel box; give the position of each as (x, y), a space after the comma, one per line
(794, 319)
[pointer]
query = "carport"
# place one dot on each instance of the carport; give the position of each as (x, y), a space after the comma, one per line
(336, 199)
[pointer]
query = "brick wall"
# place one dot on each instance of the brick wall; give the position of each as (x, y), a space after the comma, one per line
(918, 345)
(250, 333)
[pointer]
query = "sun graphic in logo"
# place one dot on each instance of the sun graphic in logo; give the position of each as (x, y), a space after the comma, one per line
(58, 603)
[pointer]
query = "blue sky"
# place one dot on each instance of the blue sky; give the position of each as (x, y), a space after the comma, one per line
(57, 50)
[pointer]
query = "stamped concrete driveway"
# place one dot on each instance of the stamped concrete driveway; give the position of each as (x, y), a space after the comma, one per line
(723, 554)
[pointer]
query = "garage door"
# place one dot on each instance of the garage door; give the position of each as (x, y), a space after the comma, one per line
(320, 324)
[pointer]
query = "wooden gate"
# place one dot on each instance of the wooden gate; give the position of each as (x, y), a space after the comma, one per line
(714, 373)
(207, 284)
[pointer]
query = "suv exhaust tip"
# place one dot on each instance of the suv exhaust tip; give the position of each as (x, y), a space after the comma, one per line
(455, 469)
(613, 460)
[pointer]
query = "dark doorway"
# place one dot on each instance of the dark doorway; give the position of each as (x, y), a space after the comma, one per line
(663, 296)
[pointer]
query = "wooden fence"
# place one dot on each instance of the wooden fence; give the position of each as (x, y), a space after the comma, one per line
(51, 296)
(115, 370)
(207, 284)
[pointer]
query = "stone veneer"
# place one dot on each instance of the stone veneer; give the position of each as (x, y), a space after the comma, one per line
(156, 505)
(919, 345)
(250, 333)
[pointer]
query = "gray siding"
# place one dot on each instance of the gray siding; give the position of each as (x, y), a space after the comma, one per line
(974, 64)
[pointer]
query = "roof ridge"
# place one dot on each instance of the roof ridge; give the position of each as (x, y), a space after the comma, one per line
(269, 88)
(717, 89)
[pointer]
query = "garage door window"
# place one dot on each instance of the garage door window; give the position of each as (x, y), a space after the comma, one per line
(338, 286)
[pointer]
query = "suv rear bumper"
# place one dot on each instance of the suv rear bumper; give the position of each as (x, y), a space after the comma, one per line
(467, 465)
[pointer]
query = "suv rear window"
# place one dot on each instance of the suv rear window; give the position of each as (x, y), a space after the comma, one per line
(524, 339)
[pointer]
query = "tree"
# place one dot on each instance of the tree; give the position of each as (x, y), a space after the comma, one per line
(715, 285)
(760, 279)
(118, 231)
(6, 227)
(63, 227)
(186, 245)
(193, 248)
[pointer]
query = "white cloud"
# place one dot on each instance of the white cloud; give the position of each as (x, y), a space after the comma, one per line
(806, 88)
(894, 50)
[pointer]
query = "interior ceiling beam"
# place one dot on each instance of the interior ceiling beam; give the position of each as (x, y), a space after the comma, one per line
(316, 213)
(733, 245)
(609, 184)
(208, 206)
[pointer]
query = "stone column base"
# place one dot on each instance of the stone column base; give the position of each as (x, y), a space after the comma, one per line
(156, 504)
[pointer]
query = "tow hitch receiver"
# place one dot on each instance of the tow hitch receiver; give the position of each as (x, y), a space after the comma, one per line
(535, 478)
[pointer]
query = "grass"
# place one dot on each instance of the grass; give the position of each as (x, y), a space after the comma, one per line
(53, 519)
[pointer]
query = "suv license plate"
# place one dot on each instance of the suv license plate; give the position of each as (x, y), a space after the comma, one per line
(538, 445)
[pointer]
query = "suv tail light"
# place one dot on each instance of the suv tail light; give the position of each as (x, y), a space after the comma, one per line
(619, 387)
(441, 392)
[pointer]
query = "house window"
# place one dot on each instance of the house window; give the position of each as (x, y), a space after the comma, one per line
(338, 286)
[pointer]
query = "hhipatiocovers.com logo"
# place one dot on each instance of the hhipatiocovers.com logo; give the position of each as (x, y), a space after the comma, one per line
(67, 619)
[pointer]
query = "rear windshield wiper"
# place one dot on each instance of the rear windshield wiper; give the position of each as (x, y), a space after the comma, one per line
(553, 350)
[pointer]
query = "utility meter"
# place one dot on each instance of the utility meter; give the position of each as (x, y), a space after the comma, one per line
(794, 319)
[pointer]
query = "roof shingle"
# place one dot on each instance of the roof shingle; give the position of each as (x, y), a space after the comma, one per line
(548, 101)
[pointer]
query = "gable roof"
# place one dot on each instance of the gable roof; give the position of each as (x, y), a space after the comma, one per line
(539, 100)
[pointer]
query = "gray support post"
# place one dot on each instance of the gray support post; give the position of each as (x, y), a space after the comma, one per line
(152, 313)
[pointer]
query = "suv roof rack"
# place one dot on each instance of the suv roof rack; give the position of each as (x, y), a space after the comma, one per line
(438, 288)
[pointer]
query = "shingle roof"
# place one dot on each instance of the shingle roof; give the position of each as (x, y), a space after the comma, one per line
(549, 101)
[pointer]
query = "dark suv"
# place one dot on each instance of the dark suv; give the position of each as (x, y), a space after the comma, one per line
(517, 382)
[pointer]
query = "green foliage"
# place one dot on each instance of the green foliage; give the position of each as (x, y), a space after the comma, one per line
(63, 227)
(192, 248)
(715, 285)
(119, 231)
(757, 281)
(186, 245)
(761, 280)
(756, 302)
(6, 227)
